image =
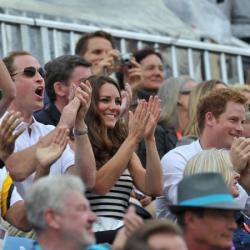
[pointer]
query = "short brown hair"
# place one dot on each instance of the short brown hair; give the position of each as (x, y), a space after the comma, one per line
(82, 44)
(216, 103)
(9, 60)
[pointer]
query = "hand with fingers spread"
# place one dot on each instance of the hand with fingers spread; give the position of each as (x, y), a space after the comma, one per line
(240, 153)
(154, 111)
(7, 134)
(48, 153)
(138, 121)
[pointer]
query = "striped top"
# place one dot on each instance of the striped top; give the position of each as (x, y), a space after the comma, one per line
(114, 204)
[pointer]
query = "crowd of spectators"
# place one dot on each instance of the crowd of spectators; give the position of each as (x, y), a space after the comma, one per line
(120, 156)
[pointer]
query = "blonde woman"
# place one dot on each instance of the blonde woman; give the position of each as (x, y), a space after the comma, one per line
(218, 161)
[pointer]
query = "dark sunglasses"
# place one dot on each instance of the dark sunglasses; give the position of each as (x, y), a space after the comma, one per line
(31, 71)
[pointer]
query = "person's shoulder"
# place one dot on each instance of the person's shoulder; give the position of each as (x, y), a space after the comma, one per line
(183, 151)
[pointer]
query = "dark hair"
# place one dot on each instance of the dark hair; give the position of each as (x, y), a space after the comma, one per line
(9, 60)
(143, 53)
(150, 228)
(104, 142)
(199, 212)
(60, 70)
(82, 44)
(216, 103)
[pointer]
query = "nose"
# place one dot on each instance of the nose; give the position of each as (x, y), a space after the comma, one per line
(114, 105)
(240, 127)
(92, 217)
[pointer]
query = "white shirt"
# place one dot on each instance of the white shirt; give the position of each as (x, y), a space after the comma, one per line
(25, 140)
(174, 163)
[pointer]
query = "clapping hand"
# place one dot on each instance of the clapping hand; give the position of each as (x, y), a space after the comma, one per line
(7, 135)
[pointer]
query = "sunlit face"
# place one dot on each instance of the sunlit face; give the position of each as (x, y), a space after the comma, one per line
(97, 50)
(229, 125)
(77, 220)
(166, 241)
(109, 104)
(29, 90)
(214, 230)
(152, 68)
(233, 187)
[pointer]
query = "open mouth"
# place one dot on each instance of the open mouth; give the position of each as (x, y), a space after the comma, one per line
(39, 91)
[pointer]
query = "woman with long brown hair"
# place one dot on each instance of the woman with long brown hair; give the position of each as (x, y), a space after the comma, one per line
(114, 144)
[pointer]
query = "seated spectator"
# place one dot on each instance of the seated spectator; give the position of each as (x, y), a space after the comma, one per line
(215, 161)
(220, 116)
(218, 161)
(28, 77)
(152, 70)
(174, 94)
(118, 166)
(206, 211)
(60, 214)
(198, 92)
(157, 234)
(63, 74)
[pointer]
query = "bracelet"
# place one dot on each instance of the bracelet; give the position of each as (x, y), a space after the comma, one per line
(78, 132)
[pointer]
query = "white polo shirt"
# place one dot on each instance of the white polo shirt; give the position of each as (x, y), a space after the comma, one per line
(26, 140)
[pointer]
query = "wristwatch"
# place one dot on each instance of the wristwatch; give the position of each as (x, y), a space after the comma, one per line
(78, 132)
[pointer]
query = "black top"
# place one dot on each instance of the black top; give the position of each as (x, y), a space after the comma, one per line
(49, 115)
(165, 140)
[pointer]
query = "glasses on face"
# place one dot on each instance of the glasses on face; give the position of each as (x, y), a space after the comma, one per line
(31, 71)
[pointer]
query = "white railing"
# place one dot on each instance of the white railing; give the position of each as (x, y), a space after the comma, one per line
(47, 39)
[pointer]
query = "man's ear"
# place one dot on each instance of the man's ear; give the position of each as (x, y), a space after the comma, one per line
(60, 89)
(52, 219)
(210, 120)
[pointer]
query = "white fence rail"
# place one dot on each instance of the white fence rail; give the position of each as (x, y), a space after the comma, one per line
(47, 39)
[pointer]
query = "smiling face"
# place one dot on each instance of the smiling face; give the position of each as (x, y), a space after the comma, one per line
(228, 125)
(109, 104)
(152, 68)
(29, 89)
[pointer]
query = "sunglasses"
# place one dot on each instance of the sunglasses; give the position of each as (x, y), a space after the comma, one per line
(31, 71)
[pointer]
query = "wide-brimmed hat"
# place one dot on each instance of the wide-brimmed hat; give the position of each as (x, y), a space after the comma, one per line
(205, 190)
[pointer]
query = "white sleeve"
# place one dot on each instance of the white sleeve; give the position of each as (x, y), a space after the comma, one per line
(15, 197)
(173, 164)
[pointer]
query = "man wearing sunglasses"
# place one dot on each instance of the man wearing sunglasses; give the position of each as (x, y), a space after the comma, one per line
(61, 74)
(28, 77)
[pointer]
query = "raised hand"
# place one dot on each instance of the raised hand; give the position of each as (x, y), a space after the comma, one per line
(83, 93)
(108, 65)
(154, 111)
(240, 153)
(138, 120)
(7, 134)
(134, 75)
(48, 153)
